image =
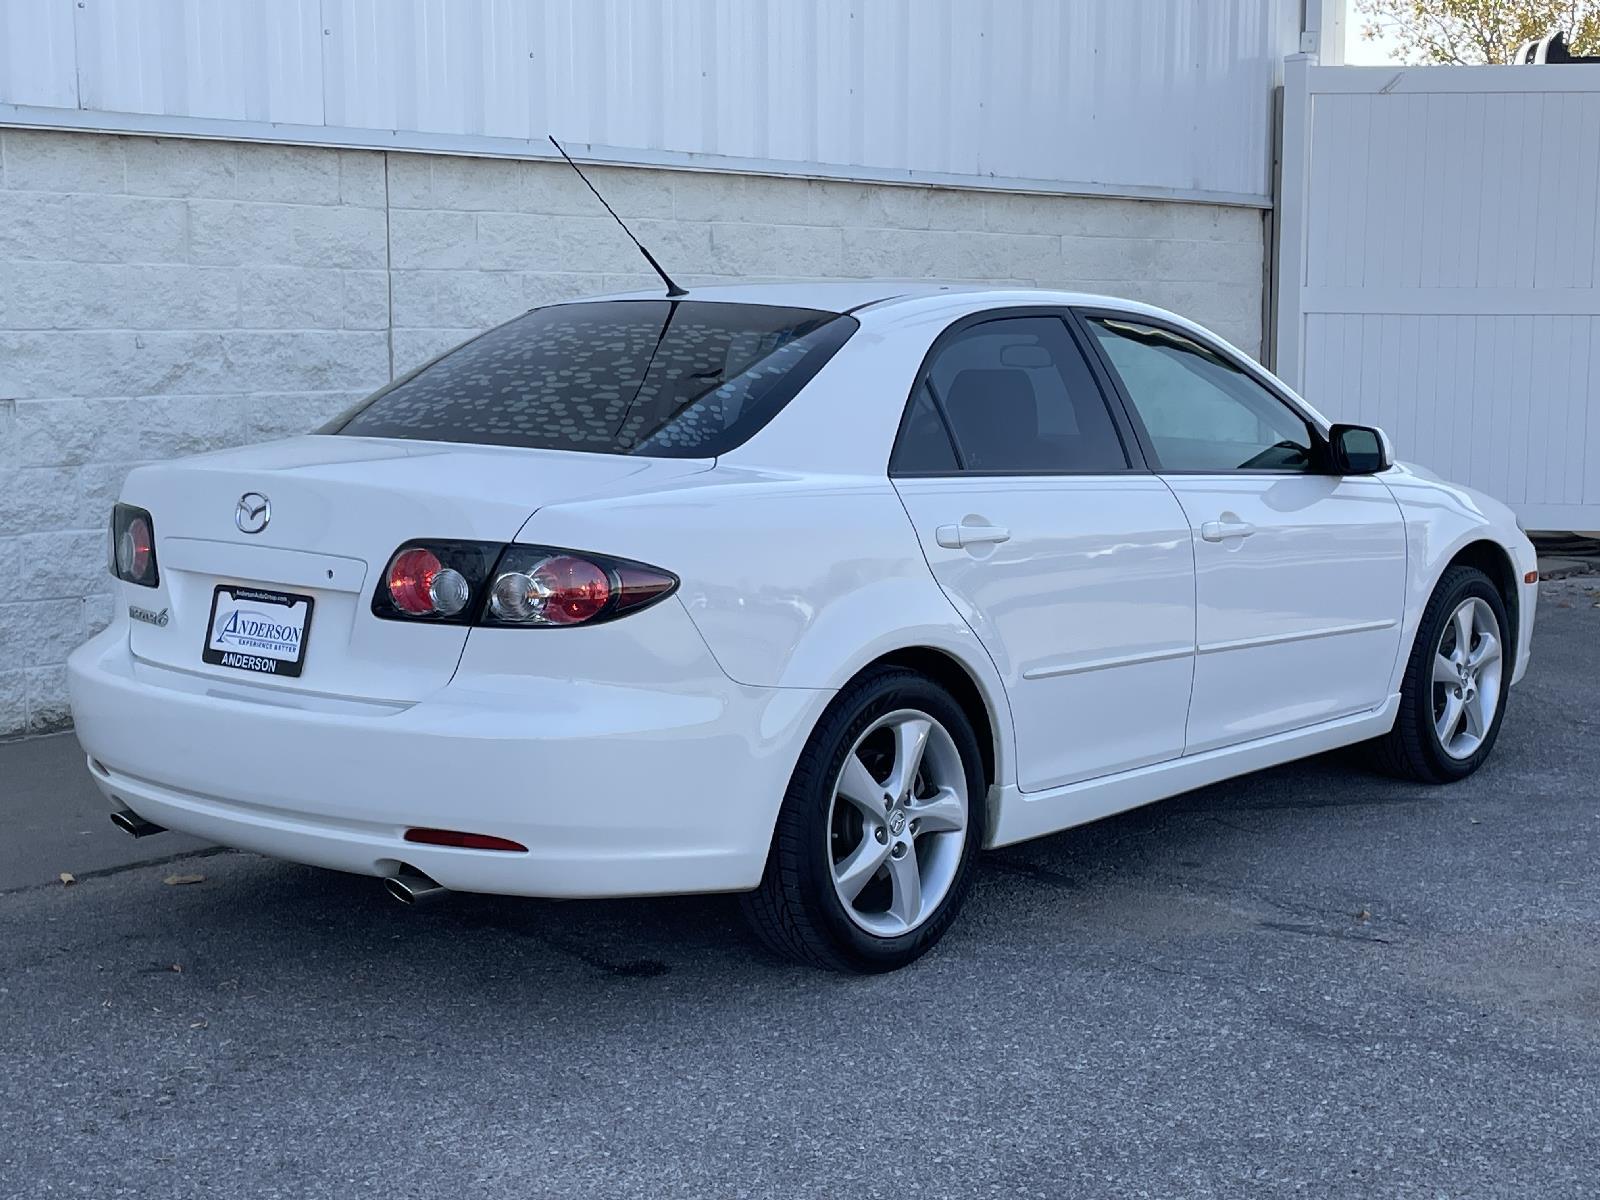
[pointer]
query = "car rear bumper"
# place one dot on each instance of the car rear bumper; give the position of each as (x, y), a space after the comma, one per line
(664, 787)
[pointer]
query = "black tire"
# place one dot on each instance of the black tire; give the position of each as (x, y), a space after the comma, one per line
(1412, 749)
(796, 911)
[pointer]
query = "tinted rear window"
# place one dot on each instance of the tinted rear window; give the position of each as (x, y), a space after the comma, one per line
(673, 378)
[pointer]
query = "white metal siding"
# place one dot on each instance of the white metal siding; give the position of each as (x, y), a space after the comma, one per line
(1444, 282)
(1163, 97)
(37, 64)
(230, 59)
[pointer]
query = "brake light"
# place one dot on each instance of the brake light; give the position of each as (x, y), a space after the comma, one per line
(435, 580)
(535, 587)
(133, 546)
(484, 583)
(560, 590)
(421, 585)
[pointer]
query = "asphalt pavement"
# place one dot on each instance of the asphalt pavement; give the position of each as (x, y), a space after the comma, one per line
(1314, 981)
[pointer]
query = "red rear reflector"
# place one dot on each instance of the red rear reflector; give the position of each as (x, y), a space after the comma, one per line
(466, 841)
(640, 585)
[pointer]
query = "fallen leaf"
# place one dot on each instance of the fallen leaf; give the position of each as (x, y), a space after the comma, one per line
(68, 879)
(180, 880)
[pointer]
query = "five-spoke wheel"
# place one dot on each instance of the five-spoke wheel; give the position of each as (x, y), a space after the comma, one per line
(898, 822)
(1453, 694)
(1466, 678)
(875, 841)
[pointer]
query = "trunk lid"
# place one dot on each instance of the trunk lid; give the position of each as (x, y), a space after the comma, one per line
(339, 506)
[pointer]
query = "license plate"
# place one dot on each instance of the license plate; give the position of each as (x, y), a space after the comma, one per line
(255, 630)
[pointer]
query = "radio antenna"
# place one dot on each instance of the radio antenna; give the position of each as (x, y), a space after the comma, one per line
(673, 290)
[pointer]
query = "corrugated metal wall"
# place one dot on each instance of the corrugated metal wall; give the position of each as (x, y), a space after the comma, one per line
(1119, 96)
(1439, 274)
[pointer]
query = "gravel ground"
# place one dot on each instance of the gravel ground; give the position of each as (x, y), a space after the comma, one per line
(1313, 981)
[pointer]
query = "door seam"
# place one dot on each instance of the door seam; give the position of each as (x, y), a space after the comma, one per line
(1005, 692)
(1194, 585)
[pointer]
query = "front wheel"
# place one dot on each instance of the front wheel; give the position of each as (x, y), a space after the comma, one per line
(1456, 684)
(873, 850)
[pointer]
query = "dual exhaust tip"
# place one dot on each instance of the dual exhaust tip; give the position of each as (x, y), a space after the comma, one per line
(408, 885)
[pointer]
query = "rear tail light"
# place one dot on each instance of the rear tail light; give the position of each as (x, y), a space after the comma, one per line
(133, 546)
(485, 583)
(422, 586)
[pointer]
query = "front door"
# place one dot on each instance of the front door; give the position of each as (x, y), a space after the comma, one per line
(1073, 568)
(1299, 574)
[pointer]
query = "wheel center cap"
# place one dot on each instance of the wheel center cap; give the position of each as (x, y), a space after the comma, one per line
(897, 821)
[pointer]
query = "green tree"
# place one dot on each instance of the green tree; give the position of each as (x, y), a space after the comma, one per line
(1478, 31)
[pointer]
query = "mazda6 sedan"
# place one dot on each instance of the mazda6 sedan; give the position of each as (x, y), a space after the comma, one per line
(809, 592)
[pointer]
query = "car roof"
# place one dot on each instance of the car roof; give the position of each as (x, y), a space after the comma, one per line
(853, 295)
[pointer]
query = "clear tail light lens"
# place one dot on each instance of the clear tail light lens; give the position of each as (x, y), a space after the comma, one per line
(559, 590)
(483, 583)
(133, 546)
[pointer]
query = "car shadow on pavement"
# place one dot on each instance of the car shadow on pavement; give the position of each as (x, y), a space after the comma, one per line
(1124, 870)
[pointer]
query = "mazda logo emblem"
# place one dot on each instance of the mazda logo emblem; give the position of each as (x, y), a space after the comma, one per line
(252, 512)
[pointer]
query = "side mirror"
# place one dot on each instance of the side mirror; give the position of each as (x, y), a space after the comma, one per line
(1359, 450)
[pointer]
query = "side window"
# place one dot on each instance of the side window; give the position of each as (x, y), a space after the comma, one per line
(1018, 396)
(924, 445)
(1200, 411)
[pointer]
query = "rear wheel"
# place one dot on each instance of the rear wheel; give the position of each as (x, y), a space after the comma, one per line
(873, 850)
(1456, 683)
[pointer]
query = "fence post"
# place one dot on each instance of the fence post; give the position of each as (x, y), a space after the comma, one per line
(1287, 322)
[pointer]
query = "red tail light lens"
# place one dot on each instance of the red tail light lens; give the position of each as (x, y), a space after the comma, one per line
(559, 590)
(528, 587)
(535, 587)
(576, 589)
(435, 581)
(421, 585)
(133, 546)
(409, 576)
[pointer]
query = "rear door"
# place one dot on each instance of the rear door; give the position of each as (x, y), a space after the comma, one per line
(1300, 573)
(1070, 563)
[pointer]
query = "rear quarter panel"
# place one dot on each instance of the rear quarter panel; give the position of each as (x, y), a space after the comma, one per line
(793, 581)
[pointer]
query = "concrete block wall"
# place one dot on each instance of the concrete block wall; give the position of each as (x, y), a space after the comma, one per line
(160, 297)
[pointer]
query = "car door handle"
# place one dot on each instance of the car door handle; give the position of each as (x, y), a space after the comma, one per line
(958, 537)
(1217, 531)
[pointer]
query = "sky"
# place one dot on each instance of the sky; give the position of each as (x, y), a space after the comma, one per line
(1358, 52)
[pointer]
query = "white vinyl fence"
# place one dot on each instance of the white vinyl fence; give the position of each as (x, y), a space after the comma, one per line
(1437, 270)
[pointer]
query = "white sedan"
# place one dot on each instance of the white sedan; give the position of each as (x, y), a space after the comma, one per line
(805, 591)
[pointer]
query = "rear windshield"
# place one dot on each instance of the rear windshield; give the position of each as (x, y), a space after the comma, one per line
(674, 378)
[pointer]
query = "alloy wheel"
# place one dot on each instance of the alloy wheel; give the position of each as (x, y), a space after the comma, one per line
(897, 823)
(1466, 678)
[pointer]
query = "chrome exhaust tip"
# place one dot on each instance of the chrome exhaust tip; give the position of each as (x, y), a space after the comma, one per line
(132, 823)
(411, 886)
